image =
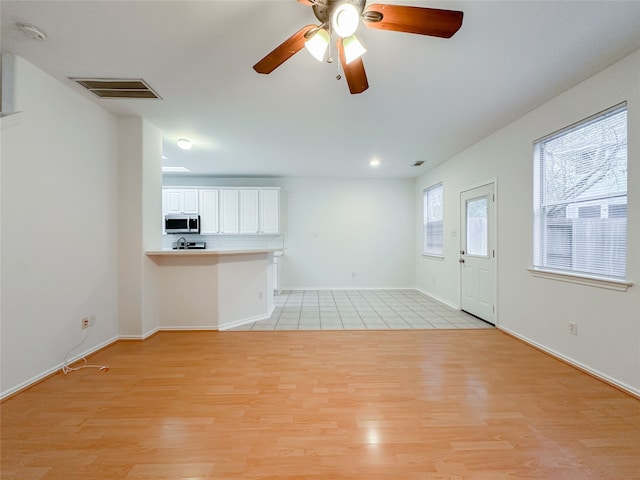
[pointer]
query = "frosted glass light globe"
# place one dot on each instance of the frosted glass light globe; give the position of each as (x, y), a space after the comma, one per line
(345, 20)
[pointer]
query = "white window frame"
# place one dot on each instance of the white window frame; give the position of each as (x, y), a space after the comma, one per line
(543, 265)
(433, 252)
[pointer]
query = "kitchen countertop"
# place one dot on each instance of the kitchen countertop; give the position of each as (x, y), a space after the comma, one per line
(199, 253)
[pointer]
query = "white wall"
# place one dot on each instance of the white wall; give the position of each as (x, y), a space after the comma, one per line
(245, 288)
(140, 205)
(538, 310)
(59, 217)
(335, 227)
(210, 292)
(188, 288)
(151, 192)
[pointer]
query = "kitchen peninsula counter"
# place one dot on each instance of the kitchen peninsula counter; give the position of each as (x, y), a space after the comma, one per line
(202, 289)
(206, 252)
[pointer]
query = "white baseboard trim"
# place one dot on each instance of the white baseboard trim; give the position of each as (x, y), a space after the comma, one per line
(298, 289)
(244, 321)
(189, 328)
(439, 299)
(143, 336)
(169, 328)
(47, 373)
(580, 366)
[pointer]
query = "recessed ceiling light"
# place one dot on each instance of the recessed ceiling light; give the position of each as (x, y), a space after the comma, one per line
(184, 143)
(175, 169)
(374, 162)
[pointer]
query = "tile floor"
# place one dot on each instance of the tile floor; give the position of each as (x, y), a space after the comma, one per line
(361, 310)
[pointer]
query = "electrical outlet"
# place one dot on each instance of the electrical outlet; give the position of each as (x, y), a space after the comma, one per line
(353, 274)
(260, 295)
(573, 328)
(87, 322)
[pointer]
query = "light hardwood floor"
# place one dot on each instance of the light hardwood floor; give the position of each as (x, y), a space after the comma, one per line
(401, 405)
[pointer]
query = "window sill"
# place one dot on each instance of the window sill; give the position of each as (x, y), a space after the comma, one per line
(617, 285)
(433, 255)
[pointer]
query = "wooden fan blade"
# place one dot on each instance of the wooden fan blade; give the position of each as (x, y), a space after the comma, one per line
(306, 2)
(353, 72)
(283, 52)
(420, 20)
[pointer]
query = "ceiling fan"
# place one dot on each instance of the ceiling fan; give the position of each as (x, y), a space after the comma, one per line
(341, 18)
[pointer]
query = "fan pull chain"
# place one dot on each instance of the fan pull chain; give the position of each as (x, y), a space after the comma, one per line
(330, 60)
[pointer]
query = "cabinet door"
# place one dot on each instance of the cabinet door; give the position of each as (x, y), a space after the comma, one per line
(249, 211)
(174, 201)
(190, 201)
(180, 201)
(209, 223)
(269, 211)
(229, 211)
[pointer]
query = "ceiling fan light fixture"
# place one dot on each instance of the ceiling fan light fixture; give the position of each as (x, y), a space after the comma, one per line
(345, 20)
(352, 48)
(317, 45)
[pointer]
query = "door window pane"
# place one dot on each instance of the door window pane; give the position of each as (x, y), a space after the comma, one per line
(477, 227)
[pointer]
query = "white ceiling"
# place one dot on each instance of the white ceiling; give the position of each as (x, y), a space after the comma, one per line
(428, 99)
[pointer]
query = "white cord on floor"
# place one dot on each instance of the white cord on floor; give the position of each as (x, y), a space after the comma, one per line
(66, 368)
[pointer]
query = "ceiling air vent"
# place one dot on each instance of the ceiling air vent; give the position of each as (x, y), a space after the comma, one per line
(117, 87)
(418, 163)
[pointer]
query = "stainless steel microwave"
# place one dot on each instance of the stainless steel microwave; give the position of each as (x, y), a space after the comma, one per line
(181, 223)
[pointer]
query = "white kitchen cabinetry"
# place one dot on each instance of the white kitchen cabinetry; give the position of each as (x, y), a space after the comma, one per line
(209, 212)
(172, 201)
(180, 201)
(190, 201)
(229, 211)
(249, 204)
(270, 211)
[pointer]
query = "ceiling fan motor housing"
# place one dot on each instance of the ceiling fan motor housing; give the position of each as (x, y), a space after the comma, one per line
(323, 9)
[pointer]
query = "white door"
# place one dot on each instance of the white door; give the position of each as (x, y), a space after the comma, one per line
(477, 252)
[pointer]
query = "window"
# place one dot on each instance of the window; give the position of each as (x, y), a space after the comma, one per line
(478, 227)
(580, 197)
(433, 219)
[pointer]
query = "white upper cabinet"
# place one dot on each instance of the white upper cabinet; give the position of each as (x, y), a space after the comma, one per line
(229, 217)
(249, 203)
(270, 211)
(173, 201)
(209, 212)
(190, 201)
(178, 200)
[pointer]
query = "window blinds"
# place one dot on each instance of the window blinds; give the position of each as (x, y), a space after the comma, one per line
(433, 220)
(580, 197)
